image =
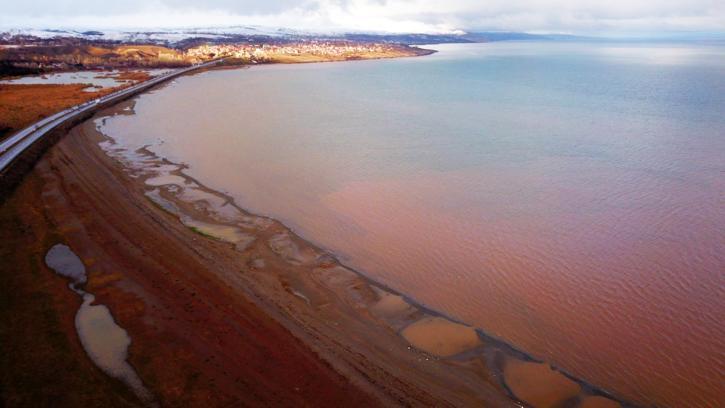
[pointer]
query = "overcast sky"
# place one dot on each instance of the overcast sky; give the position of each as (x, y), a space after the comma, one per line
(566, 16)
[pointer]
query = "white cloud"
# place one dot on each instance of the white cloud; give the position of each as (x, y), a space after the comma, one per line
(376, 15)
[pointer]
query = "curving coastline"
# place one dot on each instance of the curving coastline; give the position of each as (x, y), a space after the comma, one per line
(298, 285)
(215, 216)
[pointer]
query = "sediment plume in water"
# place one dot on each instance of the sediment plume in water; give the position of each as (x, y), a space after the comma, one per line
(441, 337)
(431, 336)
(105, 342)
(538, 384)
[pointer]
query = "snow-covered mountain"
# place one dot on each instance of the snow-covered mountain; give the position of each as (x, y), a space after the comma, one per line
(234, 33)
(156, 35)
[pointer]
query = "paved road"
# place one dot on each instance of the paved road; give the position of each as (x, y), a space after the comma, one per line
(14, 146)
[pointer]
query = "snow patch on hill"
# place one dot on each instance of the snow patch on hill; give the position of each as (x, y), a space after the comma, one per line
(159, 35)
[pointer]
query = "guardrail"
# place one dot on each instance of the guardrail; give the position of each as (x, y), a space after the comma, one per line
(12, 148)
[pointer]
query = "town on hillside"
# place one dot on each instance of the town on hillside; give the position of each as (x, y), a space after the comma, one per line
(27, 56)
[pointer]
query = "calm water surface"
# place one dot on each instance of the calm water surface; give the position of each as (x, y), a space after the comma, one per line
(567, 198)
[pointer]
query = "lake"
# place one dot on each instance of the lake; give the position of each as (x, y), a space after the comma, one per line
(567, 198)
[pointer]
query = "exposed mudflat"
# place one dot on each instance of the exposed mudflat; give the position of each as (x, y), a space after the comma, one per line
(538, 384)
(441, 337)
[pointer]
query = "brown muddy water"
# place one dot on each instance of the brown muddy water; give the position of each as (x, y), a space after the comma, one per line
(565, 198)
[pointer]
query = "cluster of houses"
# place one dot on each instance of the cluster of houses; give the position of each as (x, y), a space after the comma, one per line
(262, 52)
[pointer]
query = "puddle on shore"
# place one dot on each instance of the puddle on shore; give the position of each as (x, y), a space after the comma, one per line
(225, 233)
(155, 197)
(166, 179)
(441, 337)
(214, 204)
(538, 384)
(64, 262)
(283, 245)
(105, 342)
(391, 305)
(175, 192)
(358, 293)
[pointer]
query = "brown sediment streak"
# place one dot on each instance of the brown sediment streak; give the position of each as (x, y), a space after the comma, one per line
(381, 341)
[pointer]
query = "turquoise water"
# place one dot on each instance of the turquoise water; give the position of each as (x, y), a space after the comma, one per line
(565, 197)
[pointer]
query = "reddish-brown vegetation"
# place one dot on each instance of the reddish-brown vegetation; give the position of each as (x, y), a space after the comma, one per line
(22, 105)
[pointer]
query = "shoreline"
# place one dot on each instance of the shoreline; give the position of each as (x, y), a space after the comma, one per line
(486, 340)
(295, 257)
(472, 374)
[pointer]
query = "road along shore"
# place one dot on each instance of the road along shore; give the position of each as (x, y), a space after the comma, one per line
(19, 151)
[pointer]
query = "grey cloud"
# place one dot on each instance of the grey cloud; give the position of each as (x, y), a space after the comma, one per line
(385, 15)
